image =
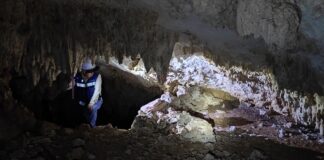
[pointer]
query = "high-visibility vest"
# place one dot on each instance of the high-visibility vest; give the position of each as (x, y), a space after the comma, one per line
(84, 89)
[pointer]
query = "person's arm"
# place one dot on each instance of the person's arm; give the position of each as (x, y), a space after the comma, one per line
(97, 91)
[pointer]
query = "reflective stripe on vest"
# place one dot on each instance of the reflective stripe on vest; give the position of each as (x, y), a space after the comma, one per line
(82, 85)
(84, 90)
(91, 84)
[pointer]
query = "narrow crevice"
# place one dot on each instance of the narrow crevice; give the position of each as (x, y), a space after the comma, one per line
(197, 115)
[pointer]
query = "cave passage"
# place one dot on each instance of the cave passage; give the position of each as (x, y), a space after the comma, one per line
(122, 99)
(122, 93)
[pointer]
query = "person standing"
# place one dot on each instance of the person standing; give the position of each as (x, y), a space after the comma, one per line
(87, 91)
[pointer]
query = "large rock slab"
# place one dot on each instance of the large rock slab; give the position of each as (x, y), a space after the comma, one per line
(205, 100)
(159, 116)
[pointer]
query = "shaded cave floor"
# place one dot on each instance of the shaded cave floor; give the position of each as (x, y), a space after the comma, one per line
(105, 142)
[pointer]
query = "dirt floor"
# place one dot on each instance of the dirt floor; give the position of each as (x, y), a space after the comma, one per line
(105, 142)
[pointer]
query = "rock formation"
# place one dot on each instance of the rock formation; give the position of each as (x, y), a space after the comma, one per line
(209, 57)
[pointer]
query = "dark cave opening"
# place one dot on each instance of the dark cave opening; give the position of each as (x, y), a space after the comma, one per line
(123, 97)
(122, 100)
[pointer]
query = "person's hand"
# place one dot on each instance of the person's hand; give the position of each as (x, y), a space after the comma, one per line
(90, 108)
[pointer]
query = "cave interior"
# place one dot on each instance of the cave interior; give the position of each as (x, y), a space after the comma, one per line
(181, 79)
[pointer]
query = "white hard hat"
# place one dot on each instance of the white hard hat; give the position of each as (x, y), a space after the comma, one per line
(87, 65)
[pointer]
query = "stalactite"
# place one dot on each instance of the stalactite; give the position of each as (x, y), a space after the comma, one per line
(52, 29)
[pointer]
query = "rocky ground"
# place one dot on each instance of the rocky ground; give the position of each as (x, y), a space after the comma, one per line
(105, 142)
(220, 128)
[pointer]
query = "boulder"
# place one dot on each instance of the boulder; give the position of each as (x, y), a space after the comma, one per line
(205, 100)
(158, 115)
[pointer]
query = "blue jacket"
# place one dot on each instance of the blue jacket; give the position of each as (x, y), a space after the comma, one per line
(84, 89)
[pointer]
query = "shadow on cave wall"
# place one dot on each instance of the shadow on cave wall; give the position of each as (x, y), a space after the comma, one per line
(122, 101)
(294, 72)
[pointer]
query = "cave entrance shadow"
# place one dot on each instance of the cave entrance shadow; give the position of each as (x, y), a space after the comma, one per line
(122, 94)
(64, 110)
